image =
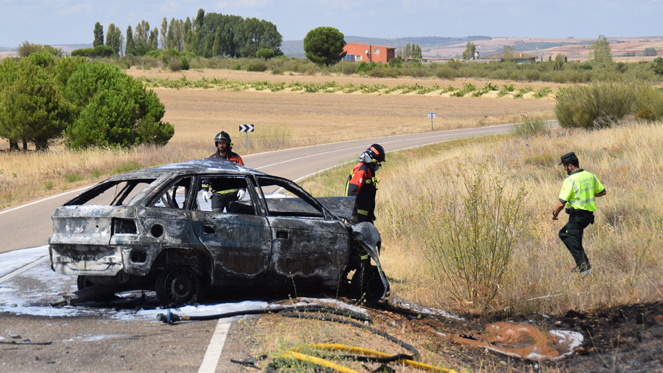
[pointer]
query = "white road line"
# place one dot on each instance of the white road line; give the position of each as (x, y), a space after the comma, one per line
(24, 268)
(44, 199)
(213, 353)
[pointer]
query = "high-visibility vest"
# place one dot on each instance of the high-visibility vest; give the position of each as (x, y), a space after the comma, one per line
(579, 190)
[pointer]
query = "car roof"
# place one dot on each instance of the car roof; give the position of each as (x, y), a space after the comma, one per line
(200, 166)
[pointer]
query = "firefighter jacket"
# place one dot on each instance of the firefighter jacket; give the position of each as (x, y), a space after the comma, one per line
(230, 156)
(363, 184)
(220, 190)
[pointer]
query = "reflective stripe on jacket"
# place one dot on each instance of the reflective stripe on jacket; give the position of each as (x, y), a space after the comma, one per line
(579, 190)
(361, 183)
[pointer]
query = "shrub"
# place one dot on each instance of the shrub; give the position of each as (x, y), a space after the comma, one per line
(474, 230)
(383, 73)
(445, 72)
(346, 67)
(594, 106)
(257, 66)
(238, 67)
(185, 63)
(175, 64)
(646, 115)
(530, 126)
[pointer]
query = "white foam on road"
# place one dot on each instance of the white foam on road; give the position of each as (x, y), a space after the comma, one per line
(16, 259)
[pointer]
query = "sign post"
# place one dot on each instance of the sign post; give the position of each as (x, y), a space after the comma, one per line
(246, 128)
(431, 116)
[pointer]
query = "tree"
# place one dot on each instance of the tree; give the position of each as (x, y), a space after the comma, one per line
(142, 37)
(153, 42)
(599, 51)
(657, 65)
(407, 51)
(265, 53)
(114, 38)
(26, 48)
(416, 51)
(560, 58)
(30, 107)
(98, 34)
(468, 54)
(131, 46)
(650, 52)
(324, 45)
(164, 33)
(507, 54)
(113, 109)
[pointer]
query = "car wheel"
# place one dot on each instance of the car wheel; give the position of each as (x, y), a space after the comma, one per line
(177, 285)
(367, 284)
(82, 282)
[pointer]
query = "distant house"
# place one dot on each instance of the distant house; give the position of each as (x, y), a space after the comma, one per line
(519, 57)
(368, 52)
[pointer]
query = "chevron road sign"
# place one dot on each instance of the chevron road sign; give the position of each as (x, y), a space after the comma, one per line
(246, 128)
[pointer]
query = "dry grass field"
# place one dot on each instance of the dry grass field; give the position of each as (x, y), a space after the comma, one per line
(623, 245)
(282, 119)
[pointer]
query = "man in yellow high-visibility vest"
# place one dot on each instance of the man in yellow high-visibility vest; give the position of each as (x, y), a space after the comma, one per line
(578, 194)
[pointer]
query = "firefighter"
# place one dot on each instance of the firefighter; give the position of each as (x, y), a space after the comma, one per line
(362, 183)
(222, 196)
(578, 194)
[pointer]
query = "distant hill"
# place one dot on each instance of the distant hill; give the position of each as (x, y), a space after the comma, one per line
(67, 48)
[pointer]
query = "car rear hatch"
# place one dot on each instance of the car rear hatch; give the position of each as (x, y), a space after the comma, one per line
(79, 244)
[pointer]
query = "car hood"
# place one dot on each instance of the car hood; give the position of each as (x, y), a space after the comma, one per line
(339, 206)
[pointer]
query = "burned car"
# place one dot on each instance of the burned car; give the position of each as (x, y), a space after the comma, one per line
(154, 229)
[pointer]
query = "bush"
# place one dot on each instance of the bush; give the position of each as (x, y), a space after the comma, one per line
(530, 126)
(474, 230)
(257, 66)
(185, 63)
(445, 72)
(175, 64)
(346, 67)
(646, 115)
(594, 106)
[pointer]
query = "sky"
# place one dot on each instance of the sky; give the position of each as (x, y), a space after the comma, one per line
(72, 21)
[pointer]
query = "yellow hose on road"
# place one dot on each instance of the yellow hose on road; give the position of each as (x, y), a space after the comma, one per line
(318, 361)
(364, 351)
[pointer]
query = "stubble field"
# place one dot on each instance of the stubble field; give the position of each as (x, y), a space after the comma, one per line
(281, 119)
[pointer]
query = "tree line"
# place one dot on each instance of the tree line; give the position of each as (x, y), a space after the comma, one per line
(43, 97)
(207, 35)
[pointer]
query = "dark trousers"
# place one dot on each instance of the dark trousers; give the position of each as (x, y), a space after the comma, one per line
(571, 235)
(221, 201)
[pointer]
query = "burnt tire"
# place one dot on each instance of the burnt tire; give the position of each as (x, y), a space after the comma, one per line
(178, 285)
(367, 284)
(82, 282)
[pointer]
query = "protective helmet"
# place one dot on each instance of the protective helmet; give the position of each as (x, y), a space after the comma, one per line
(376, 152)
(222, 136)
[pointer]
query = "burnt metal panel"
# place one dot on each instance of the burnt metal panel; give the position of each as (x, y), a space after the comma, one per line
(239, 244)
(340, 206)
(308, 249)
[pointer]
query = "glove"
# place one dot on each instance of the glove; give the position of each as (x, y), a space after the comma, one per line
(240, 194)
(206, 196)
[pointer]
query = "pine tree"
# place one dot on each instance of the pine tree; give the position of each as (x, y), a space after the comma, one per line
(131, 47)
(98, 34)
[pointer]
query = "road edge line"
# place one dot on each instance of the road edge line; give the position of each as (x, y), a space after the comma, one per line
(17, 272)
(215, 347)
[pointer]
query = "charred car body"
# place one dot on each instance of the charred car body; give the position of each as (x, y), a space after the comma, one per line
(152, 229)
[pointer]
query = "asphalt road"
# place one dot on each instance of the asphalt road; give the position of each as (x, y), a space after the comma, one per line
(97, 343)
(29, 225)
